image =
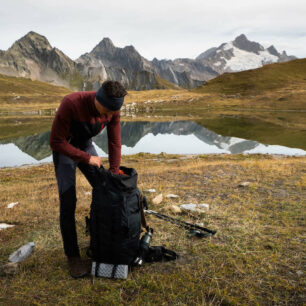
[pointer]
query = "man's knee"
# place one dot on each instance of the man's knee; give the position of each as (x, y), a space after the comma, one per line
(64, 171)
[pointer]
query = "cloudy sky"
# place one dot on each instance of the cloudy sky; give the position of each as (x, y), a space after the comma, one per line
(160, 28)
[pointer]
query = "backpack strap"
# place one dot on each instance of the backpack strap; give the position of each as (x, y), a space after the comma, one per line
(160, 253)
(114, 270)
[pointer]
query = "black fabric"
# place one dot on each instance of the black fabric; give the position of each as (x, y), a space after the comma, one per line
(65, 169)
(82, 132)
(111, 103)
(115, 220)
(159, 253)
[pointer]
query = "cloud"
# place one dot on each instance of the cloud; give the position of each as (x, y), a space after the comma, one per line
(162, 29)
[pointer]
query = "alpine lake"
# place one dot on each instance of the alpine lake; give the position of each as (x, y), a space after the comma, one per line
(24, 137)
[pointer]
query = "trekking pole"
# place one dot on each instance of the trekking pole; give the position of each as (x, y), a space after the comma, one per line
(194, 229)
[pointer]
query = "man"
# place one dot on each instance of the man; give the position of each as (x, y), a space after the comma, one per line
(82, 115)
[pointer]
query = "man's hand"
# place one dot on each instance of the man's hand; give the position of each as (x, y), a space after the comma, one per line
(95, 161)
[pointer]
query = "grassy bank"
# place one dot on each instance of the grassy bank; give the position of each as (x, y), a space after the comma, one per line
(256, 257)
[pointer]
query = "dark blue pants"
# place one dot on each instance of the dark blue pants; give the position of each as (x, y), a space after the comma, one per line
(65, 169)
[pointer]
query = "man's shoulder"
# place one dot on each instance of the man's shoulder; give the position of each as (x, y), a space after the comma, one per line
(80, 95)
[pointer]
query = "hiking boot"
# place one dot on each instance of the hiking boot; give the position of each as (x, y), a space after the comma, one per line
(77, 267)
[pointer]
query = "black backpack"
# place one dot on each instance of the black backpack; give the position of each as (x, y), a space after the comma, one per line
(115, 218)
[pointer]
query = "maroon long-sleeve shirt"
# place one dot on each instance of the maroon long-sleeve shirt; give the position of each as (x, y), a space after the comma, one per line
(76, 121)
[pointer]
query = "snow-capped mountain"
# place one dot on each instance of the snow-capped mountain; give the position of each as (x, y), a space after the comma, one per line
(32, 56)
(241, 54)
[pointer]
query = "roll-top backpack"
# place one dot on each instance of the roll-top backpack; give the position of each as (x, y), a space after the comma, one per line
(116, 218)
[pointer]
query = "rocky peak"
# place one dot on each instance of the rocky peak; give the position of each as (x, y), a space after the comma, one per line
(105, 46)
(31, 43)
(243, 43)
(130, 48)
(206, 53)
(273, 50)
(107, 42)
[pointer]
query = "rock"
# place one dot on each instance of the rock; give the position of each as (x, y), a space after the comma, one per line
(170, 195)
(158, 199)
(175, 209)
(4, 226)
(244, 184)
(195, 207)
(22, 253)
(150, 190)
(10, 268)
(11, 205)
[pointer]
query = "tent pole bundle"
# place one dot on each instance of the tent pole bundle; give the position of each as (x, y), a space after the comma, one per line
(194, 230)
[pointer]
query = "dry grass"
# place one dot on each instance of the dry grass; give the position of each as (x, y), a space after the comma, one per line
(253, 258)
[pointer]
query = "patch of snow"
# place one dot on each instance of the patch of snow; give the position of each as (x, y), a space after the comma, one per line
(217, 64)
(244, 60)
(268, 57)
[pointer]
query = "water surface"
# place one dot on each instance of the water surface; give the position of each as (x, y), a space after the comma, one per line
(173, 137)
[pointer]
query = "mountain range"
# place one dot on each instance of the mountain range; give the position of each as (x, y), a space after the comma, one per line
(33, 57)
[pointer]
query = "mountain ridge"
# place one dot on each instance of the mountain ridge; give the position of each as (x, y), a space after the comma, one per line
(33, 56)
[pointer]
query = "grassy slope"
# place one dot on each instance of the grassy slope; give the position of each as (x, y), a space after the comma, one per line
(253, 259)
(274, 86)
(257, 81)
(164, 84)
(21, 94)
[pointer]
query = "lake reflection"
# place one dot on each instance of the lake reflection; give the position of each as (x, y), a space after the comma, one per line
(176, 137)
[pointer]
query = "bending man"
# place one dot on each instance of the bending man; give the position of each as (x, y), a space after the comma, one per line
(82, 115)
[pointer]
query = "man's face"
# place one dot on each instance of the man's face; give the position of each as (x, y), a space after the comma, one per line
(103, 110)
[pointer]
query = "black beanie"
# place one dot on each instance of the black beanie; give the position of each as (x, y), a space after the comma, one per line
(111, 103)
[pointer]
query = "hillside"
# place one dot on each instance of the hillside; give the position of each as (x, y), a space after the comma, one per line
(257, 81)
(23, 94)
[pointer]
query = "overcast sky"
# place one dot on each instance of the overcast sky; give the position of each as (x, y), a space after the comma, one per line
(159, 28)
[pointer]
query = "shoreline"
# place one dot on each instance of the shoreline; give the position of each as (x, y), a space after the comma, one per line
(173, 156)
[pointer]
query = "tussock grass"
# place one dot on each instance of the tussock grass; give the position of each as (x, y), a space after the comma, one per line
(253, 258)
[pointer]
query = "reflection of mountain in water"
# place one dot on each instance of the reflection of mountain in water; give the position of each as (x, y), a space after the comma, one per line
(132, 132)
(37, 146)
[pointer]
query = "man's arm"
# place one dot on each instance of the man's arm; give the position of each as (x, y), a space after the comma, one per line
(60, 131)
(114, 143)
